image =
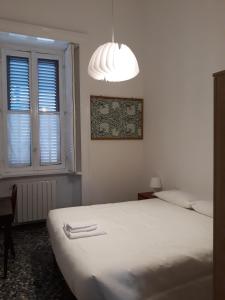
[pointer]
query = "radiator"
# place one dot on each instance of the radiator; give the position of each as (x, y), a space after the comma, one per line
(34, 200)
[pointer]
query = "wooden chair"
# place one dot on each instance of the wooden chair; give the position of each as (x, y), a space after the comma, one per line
(7, 214)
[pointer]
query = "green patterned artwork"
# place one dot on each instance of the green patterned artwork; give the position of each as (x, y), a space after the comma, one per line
(116, 118)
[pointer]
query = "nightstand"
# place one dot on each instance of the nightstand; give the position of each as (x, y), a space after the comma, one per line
(145, 195)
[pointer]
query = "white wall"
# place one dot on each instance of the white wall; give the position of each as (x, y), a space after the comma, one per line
(185, 44)
(112, 171)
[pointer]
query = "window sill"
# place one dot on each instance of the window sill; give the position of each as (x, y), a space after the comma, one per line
(39, 173)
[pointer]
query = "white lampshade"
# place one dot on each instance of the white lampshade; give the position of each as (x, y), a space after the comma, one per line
(113, 62)
(155, 183)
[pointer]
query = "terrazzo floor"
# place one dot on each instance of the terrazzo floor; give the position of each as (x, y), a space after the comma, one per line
(33, 275)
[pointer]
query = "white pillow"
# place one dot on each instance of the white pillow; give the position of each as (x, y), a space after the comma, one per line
(176, 197)
(203, 207)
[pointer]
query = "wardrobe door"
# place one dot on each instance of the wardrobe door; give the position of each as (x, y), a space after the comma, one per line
(219, 186)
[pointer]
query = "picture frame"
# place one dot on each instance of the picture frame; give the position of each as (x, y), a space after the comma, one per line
(116, 118)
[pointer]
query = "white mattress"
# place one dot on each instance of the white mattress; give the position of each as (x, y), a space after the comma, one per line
(153, 250)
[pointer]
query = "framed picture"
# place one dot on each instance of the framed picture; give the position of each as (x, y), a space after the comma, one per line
(116, 118)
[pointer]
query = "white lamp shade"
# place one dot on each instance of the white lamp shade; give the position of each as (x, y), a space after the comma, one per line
(113, 62)
(155, 183)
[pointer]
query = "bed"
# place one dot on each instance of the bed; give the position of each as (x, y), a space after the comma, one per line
(153, 250)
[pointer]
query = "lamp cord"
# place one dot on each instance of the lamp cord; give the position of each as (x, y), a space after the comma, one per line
(113, 35)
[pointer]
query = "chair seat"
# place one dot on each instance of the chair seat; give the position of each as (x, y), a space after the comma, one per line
(5, 206)
(6, 220)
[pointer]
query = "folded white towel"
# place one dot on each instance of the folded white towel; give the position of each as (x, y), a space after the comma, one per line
(84, 229)
(78, 235)
(77, 226)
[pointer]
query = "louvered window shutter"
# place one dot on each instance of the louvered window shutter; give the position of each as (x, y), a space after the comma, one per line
(49, 111)
(70, 108)
(18, 118)
(73, 133)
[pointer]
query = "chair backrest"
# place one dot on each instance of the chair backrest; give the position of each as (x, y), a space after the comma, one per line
(13, 198)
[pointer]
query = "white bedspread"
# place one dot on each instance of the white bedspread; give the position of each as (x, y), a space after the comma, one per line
(153, 250)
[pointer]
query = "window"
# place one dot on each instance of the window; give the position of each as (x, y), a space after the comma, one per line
(49, 111)
(34, 107)
(18, 117)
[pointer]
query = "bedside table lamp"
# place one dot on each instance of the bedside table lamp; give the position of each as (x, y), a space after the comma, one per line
(155, 184)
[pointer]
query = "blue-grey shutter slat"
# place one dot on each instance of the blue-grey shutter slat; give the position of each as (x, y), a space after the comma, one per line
(18, 83)
(48, 85)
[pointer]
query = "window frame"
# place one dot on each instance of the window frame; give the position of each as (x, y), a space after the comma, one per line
(36, 168)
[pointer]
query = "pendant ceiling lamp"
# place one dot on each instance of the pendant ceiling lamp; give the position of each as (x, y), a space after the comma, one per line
(112, 61)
